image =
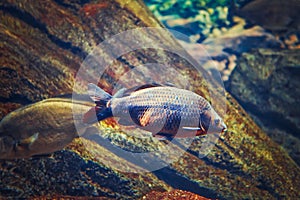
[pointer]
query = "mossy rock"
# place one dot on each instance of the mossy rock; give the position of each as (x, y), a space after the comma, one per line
(265, 84)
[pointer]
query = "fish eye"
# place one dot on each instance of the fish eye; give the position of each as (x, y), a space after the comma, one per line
(217, 121)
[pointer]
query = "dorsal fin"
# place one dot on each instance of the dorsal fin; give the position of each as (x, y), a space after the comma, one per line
(127, 92)
(148, 85)
(141, 87)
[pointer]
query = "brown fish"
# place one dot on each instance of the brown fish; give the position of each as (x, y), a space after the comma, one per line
(166, 112)
(41, 128)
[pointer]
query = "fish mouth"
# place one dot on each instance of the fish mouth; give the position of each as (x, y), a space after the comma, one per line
(224, 129)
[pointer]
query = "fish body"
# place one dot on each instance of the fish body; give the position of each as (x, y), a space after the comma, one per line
(166, 112)
(41, 128)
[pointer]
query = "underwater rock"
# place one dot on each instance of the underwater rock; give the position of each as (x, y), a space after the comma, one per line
(74, 173)
(239, 39)
(173, 195)
(234, 41)
(265, 83)
(43, 46)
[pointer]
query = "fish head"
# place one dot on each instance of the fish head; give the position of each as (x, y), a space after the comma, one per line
(7, 144)
(211, 122)
(11, 148)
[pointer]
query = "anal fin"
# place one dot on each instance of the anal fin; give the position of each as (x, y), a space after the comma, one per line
(163, 136)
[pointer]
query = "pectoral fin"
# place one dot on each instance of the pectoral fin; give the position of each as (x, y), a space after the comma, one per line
(199, 130)
(27, 142)
(186, 128)
(30, 140)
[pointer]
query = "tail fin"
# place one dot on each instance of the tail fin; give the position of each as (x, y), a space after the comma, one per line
(96, 114)
(100, 111)
(97, 94)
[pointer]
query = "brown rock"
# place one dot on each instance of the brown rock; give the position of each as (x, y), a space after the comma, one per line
(172, 195)
(265, 83)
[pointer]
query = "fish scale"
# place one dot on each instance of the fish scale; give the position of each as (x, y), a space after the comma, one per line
(162, 110)
(168, 106)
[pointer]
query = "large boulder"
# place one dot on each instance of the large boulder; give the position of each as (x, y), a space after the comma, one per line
(265, 82)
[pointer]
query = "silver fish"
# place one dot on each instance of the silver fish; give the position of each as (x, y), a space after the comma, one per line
(166, 112)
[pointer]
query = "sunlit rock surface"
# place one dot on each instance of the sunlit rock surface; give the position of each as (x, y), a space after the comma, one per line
(174, 194)
(265, 83)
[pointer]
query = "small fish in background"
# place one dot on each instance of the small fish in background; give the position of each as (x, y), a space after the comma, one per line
(42, 128)
(165, 111)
